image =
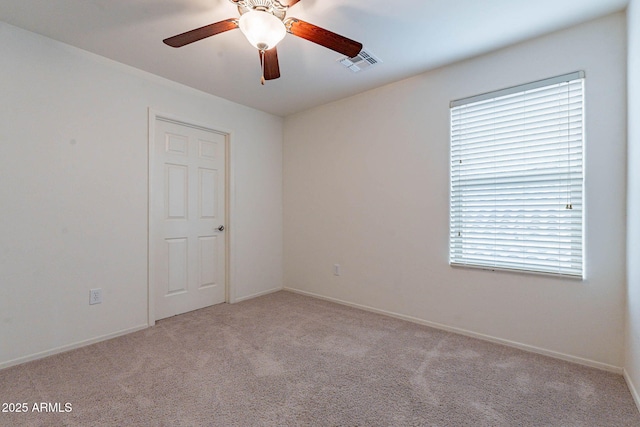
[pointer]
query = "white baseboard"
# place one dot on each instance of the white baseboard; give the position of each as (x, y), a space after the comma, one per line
(525, 347)
(79, 344)
(69, 347)
(632, 388)
(256, 295)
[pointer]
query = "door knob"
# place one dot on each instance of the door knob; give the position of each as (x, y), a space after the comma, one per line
(221, 228)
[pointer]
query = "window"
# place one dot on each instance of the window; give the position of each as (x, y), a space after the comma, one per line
(516, 178)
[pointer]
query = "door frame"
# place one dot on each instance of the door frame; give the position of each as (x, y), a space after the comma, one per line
(229, 190)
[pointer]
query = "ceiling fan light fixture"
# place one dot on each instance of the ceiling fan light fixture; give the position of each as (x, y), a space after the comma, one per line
(263, 30)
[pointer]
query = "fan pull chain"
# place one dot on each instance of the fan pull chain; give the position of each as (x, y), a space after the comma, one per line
(262, 61)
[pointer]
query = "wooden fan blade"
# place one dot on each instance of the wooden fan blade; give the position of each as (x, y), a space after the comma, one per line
(323, 37)
(201, 33)
(271, 66)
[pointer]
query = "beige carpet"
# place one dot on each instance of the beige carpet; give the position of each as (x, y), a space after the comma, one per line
(289, 360)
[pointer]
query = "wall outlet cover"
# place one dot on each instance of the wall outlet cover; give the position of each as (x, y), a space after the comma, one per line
(95, 296)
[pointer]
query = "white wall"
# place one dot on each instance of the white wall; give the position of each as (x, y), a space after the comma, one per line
(366, 185)
(632, 355)
(73, 192)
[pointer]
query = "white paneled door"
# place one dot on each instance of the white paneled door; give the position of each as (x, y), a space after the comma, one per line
(187, 218)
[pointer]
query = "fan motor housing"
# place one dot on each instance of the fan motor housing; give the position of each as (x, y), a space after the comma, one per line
(271, 6)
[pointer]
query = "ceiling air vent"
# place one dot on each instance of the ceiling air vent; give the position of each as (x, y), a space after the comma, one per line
(361, 61)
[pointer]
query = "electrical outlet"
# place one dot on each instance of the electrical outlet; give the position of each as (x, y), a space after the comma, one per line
(95, 296)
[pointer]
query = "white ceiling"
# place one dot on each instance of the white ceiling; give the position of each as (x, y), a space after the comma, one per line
(410, 37)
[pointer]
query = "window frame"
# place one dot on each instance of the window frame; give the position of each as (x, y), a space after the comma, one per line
(455, 260)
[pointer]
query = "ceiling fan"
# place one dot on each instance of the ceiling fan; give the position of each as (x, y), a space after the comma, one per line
(264, 23)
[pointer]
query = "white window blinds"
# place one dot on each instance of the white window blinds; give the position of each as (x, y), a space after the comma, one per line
(516, 178)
